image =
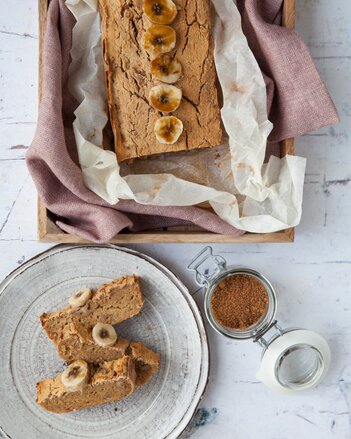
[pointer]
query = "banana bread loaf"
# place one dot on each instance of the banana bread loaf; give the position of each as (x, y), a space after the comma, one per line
(112, 303)
(111, 381)
(128, 68)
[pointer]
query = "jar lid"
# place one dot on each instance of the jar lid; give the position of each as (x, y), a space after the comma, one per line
(295, 360)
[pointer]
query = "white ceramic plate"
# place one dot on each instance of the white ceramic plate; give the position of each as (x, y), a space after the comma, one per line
(169, 323)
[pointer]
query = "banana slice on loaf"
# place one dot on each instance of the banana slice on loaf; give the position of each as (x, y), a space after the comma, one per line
(166, 69)
(165, 98)
(168, 129)
(159, 39)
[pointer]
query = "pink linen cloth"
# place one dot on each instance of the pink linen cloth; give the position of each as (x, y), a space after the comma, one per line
(297, 98)
(52, 157)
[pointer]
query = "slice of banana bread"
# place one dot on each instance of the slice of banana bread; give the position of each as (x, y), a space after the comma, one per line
(147, 362)
(76, 342)
(112, 303)
(110, 381)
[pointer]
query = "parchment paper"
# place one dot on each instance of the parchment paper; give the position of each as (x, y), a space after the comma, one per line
(240, 188)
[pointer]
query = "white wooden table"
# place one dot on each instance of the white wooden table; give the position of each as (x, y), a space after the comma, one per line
(312, 276)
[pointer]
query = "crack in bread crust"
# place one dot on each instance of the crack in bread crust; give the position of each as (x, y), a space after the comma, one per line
(128, 78)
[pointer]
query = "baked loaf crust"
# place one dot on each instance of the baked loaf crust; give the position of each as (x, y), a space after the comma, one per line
(129, 80)
(112, 303)
(77, 343)
(111, 381)
(147, 362)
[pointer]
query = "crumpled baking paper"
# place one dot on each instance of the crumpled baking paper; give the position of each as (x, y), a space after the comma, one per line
(255, 197)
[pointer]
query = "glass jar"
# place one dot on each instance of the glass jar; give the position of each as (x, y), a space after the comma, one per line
(292, 359)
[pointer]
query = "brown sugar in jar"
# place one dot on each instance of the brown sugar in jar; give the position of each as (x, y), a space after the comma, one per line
(239, 301)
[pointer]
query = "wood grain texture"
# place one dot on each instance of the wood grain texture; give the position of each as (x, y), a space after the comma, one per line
(289, 14)
(287, 147)
(48, 232)
(42, 9)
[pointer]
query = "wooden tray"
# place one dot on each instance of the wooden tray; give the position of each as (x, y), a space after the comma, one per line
(49, 232)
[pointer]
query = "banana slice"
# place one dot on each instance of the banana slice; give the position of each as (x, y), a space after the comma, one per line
(159, 39)
(80, 298)
(160, 11)
(104, 335)
(75, 376)
(168, 129)
(165, 98)
(166, 69)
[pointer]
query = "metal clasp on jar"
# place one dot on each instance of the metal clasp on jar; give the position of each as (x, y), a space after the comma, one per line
(207, 266)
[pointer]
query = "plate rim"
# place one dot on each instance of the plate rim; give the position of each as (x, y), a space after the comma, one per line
(194, 308)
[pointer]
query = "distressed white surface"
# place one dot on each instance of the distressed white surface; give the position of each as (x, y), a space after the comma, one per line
(312, 276)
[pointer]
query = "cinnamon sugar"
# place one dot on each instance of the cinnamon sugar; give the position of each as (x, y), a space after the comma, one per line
(239, 301)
